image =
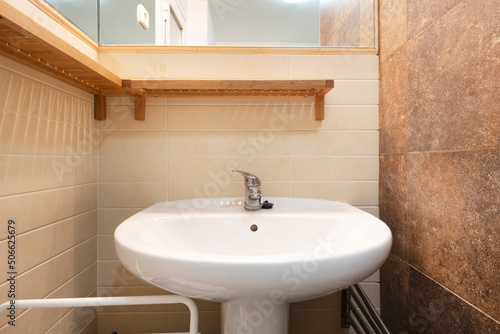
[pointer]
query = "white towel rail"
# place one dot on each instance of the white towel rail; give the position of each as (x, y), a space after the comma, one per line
(109, 301)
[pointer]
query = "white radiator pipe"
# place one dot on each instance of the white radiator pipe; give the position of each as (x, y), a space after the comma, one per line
(109, 301)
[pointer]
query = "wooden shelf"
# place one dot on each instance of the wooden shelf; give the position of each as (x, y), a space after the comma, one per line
(35, 46)
(240, 88)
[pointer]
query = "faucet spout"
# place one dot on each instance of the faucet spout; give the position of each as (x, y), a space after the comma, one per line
(252, 193)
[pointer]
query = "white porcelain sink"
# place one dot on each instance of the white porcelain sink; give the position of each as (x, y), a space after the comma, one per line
(208, 249)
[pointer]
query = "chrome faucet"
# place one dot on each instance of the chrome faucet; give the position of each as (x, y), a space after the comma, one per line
(252, 193)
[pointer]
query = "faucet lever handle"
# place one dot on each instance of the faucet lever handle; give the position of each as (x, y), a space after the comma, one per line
(250, 179)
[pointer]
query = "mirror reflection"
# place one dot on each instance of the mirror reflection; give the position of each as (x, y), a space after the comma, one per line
(290, 23)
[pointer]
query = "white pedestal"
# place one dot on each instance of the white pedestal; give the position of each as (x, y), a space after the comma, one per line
(254, 317)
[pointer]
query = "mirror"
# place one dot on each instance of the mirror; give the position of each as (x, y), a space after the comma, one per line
(282, 23)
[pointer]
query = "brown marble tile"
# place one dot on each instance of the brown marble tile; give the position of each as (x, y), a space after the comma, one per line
(454, 215)
(392, 115)
(350, 32)
(435, 310)
(392, 26)
(421, 13)
(394, 292)
(393, 199)
(453, 79)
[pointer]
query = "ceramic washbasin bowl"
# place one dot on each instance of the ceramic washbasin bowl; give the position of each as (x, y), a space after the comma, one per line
(206, 248)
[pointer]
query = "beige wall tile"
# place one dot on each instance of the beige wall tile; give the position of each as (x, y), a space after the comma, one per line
(21, 174)
(71, 201)
(77, 319)
(180, 191)
(109, 219)
(42, 244)
(122, 117)
(130, 195)
(229, 66)
(90, 328)
(132, 143)
(334, 168)
(106, 248)
(354, 193)
(336, 118)
(229, 117)
(113, 274)
(43, 279)
(31, 321)
(229, 143)
(145, 169)
(353, 92)
(311, 143)
(337, 67)
(219, 169)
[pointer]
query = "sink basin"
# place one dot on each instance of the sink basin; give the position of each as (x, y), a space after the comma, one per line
(255, 263)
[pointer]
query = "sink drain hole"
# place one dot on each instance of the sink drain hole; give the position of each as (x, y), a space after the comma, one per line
(254, 227)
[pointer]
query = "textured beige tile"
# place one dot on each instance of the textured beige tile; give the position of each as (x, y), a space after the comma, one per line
(132, 143)
(81, 285)
(210, 322)
(31, 321)
(42, 244)
(90, 328)
(113, 274)
(354, 193)
(106, 248)
(109, 219)
(180, 191)
(117, 169)
(229, 143)
(71, 201)
(312, 143)
(336, 117)
(229, 117)
(353, 92)
(21, 134)
(21, 174)
(337, 67)
(334, 168)
(43, 279)
(84, 284)
(130, 195)
(122, 117)
(219, 169)
(231, 66)
(132, 291)
(76, 320)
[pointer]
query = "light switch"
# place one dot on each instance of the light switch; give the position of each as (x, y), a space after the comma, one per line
(143, 16)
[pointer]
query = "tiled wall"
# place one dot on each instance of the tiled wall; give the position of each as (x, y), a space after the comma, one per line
(186, 147)
(440, 165)
(347, 23)
(48, 178)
